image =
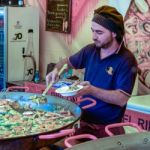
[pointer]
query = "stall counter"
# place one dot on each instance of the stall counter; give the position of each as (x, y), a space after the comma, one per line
(138, 111)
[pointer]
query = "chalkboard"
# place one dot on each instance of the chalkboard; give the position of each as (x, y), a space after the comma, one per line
(58, 16)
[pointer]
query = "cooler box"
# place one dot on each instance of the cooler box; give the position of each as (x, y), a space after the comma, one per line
(138, 111)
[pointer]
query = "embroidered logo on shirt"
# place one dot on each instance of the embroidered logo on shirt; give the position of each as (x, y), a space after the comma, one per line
(109, 70)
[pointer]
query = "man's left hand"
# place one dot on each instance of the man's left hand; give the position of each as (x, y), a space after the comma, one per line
(86, 88)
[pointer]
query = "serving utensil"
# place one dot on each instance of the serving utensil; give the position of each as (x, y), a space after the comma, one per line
(51, 83)
(42, 99)
(74, 84)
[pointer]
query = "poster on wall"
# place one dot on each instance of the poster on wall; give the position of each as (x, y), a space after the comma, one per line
(58, 16)
(137, 39)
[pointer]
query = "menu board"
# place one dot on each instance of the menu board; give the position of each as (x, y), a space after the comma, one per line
(58, 16)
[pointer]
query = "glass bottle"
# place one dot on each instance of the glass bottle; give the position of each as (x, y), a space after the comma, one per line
(29, 62)
(30, 47)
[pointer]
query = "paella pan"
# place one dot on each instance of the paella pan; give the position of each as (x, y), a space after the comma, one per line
(21, 119)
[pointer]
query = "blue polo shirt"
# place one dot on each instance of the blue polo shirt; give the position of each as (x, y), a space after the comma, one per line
(116, 72)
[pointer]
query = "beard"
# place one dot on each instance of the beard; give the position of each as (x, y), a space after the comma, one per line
(104, 45)
(97, 48)
(98, 45)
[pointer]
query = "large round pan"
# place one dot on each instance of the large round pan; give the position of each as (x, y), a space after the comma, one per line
(25, 142)
(24, 99)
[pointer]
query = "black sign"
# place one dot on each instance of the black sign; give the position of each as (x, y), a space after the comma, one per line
(58, 16)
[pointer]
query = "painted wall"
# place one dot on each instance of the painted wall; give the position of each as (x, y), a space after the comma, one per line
(54, 46)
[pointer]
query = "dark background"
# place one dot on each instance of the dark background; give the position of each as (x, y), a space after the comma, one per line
(5, 2)
(52, 22)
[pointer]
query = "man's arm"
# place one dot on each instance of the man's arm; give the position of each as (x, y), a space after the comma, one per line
(110, 96)
(60, 64)
(115, 97)
(53, 75)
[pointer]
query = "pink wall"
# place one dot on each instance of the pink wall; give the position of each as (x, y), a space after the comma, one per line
(80, 10)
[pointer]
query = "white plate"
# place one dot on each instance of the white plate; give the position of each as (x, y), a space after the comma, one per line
(64, 91)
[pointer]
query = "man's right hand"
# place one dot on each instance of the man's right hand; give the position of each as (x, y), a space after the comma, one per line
(52, 76)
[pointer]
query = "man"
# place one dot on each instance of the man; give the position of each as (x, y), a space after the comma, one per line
(110, 72)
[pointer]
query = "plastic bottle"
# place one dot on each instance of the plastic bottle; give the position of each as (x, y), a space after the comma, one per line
(36, 76)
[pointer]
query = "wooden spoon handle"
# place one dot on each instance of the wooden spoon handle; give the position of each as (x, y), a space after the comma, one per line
(51, 83)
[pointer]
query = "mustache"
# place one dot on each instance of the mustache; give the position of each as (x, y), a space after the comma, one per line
(95, 40)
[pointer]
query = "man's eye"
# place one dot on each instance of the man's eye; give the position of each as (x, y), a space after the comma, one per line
(99, 33)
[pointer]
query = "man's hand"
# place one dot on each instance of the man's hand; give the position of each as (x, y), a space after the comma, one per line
(86, 88)
(52, 76)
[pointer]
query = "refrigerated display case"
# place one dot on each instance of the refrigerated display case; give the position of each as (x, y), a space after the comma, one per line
(19, 44)
(3, 48)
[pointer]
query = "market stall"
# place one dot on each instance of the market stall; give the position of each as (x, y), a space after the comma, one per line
(138, 111)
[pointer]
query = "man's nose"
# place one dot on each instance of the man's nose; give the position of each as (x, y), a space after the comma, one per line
(94, 36)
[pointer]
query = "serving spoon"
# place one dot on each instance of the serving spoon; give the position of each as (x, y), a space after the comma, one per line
(42, 98)
(51, 83)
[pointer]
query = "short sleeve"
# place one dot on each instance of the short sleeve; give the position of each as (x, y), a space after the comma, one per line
(79, 59)
(126, 76)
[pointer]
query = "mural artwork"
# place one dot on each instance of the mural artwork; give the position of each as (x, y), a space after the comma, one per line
(137, 39)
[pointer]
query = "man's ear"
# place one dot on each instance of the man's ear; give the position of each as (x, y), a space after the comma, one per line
(114, 34)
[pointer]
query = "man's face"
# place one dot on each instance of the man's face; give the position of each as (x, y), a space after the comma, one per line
(102, 37)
